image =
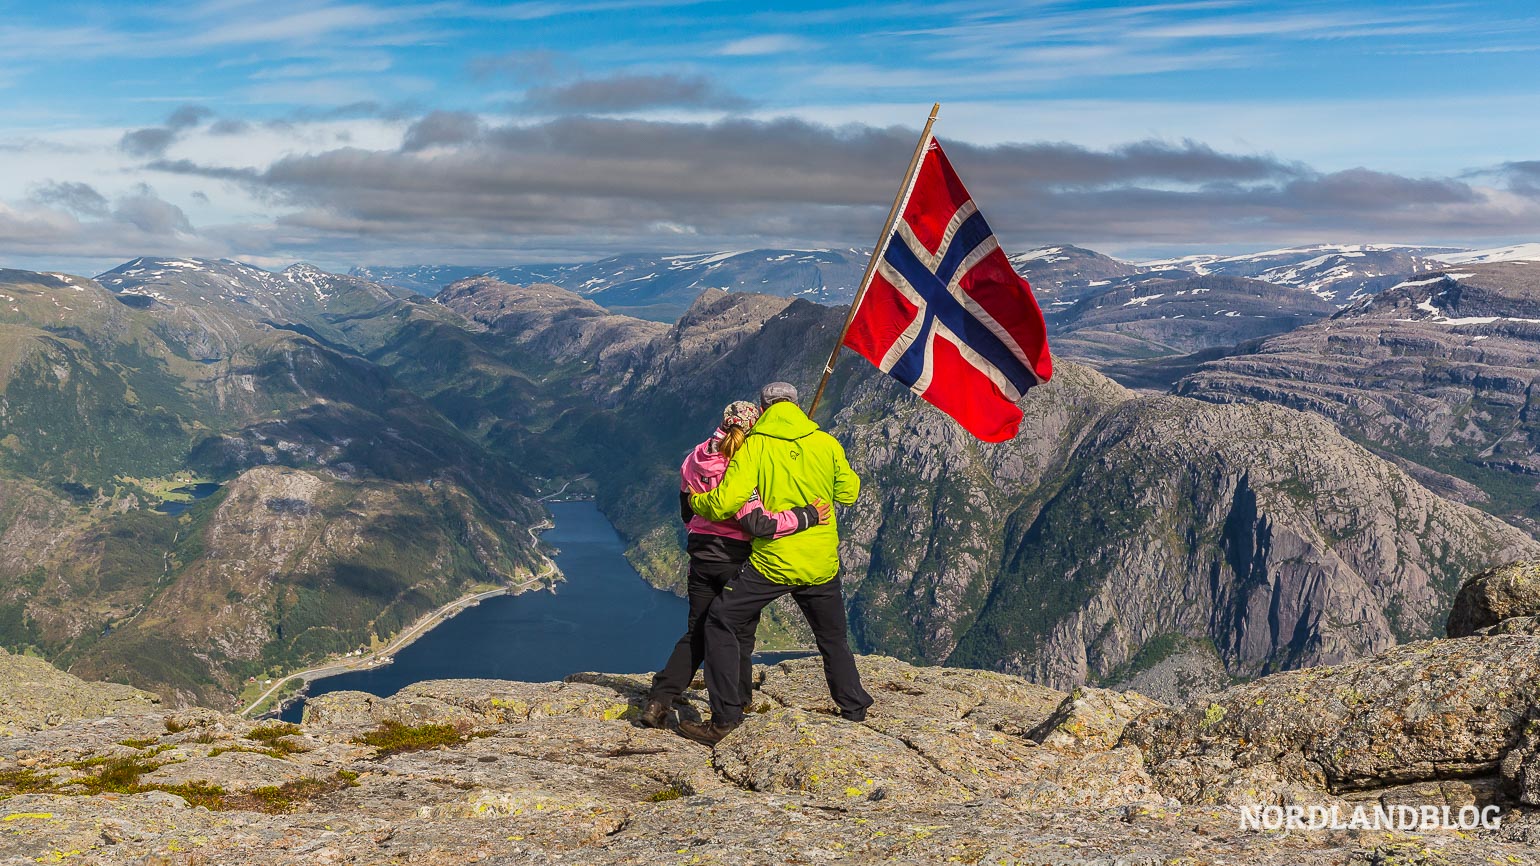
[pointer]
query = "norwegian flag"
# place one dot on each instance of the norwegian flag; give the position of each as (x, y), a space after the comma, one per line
(947, 315)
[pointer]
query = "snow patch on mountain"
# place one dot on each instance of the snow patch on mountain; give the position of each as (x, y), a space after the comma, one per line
(1515, 253)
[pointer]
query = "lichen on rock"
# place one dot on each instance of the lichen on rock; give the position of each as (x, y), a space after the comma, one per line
(941, 771)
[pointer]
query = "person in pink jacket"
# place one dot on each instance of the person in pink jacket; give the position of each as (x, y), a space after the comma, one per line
(718, 549)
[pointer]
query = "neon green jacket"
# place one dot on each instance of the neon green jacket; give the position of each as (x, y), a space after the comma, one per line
(791, 463)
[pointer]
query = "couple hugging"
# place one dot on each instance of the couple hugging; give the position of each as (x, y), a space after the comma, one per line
(757, 499)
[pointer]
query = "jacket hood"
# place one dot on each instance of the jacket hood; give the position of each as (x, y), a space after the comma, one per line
(704, 465)
(784, 421)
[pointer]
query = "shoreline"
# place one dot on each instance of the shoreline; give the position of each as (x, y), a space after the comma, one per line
(401, 640)
(272, 706)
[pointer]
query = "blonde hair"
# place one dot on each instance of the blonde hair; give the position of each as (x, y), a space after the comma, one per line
(732, 440)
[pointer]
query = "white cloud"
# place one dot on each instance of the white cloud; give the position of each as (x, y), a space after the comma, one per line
(755, 46)
(1392, 134)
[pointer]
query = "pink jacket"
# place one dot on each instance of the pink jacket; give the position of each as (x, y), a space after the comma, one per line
(702, 471)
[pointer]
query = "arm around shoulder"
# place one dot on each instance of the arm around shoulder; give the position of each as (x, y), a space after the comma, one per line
(737, 486)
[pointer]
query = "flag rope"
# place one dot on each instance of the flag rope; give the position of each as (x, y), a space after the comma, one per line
(899, 201)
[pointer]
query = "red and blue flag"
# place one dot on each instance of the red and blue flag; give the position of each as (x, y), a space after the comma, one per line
(945, 312)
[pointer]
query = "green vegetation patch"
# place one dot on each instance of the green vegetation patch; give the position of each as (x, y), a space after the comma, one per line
(121, 776)
(674, 791)
(167, 488)
(393, 737)
(285, 798)
(24, 781)
(1156, 650)
(273, 737)
(204, 794)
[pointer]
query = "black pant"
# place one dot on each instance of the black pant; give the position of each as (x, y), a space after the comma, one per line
(740, 602)
(705, 583)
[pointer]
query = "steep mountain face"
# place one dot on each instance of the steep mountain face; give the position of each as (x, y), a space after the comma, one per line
(1261, 530)
(630, 397)
(923, 547)
(1162, 317)
(112, 402)
(1109, 528)
(290, 565)
(1439, 371)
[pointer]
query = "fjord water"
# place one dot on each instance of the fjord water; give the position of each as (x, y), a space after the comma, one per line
(603, 617)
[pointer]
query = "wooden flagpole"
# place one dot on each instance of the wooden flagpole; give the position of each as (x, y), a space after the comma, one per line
(882, 245)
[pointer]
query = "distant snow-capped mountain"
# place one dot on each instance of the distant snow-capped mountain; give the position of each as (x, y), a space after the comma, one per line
(1515, 253)
(1339, 273)
(661, 287)
(297, 287)
(1064, 274)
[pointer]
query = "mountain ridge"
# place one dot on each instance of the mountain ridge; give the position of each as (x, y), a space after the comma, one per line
(450, 412)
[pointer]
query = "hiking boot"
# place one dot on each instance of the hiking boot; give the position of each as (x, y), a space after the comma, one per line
(706, 733)
(655, 714)
(857, 716)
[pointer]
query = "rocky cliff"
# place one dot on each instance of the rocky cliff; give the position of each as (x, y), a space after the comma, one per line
(1439, 371)
(950, 766)
(1260, 530)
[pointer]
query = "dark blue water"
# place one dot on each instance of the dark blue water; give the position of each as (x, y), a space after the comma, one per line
(202, 490)
(602, 618)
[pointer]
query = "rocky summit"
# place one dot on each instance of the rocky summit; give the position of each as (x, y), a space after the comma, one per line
(950, 766)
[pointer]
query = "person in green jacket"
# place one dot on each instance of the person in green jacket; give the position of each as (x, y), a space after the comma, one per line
(791, 463)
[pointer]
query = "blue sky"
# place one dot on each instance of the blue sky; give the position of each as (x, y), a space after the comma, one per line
(460, 131)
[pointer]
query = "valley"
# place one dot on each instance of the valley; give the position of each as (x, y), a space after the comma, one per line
(1251, 497)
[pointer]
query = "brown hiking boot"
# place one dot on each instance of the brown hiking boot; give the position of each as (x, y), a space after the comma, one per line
(706, 733)
(655, 714)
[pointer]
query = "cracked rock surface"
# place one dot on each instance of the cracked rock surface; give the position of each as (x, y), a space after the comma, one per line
(950, 765)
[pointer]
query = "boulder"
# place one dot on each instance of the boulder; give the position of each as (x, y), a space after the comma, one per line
(1489, 598)
(1517, 625)
(790, 750)
(469, 703)
(1521, 766)
(991, 700)
(1418, 712)
(1093, 780)
(359, 710)
(1091, 720)
(499, 701)
(234, 771)
(35, 695)
(986, 762)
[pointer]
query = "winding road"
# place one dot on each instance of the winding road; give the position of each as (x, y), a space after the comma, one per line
(422, 625)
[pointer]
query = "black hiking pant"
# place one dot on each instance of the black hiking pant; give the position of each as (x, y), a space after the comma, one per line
(706, 580)
(741, 601)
